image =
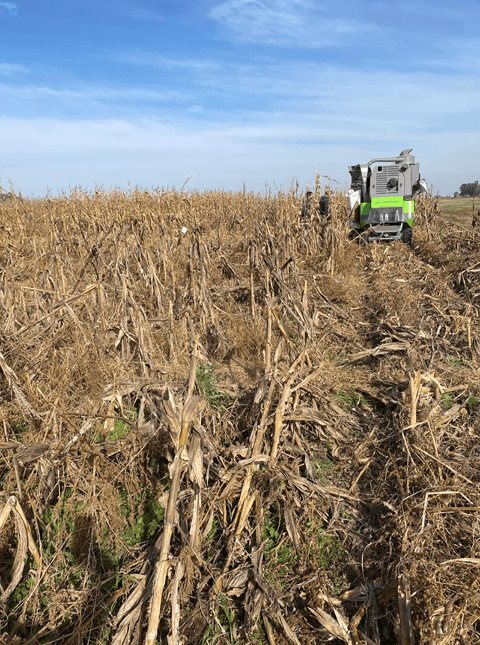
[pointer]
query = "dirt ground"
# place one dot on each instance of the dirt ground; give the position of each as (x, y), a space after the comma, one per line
(225, 424)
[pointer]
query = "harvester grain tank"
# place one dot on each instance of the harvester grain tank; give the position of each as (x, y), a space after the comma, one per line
(381, 197)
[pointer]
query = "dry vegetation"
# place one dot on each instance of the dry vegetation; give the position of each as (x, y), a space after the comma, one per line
(459, 210)
(254, 432)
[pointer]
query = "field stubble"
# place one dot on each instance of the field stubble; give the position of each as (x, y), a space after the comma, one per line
(253, 431)
(459, 210)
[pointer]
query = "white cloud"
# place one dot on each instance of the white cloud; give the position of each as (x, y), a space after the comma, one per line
(285, 22)
(11, 7)
(321, 88)
(460, 55)
(154, 152)
(160, 61)
(86, 94)
(11, 69)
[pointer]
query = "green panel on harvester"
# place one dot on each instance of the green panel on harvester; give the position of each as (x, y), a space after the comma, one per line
(364, 208)
(409, 207)
(386, 202)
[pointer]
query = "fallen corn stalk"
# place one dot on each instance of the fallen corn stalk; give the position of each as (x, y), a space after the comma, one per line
(25, 544)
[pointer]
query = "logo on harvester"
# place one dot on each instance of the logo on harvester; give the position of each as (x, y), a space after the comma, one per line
(11, 9)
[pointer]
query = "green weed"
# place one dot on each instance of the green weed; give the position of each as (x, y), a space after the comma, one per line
(22, 590)
(120, 427)
(224, 627)
(324, 549)
(214, 531)
(19, 428)
(260, 638)
(453, 360)
(338, 358)
(447, 400)
(323, 467)
(148, 516)
(472, 401)
(278, 550)
(291, 326)
(349, 399)
(207, 385)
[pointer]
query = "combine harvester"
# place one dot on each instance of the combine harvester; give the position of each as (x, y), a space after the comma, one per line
(381, 198)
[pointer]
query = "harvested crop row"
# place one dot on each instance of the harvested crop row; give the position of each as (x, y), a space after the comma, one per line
(223, 423)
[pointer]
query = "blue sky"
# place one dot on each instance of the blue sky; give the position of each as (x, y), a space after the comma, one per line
(235, 92)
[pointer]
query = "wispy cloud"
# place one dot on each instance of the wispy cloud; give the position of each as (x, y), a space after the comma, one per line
(86, 94)
(154, 153)
(11, 69)
(302, 89)
(459, 54)
(11, 8)
(338, 89)
(161, 61)
(302, 23)
(196, 105)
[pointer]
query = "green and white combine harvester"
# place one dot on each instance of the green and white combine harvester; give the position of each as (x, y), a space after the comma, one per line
(381, 198)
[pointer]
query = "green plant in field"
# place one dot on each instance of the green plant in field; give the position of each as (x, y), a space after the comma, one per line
(453, 360)
(148, 516)
(58, 522)
(270, 534)
(291, 327)
(207, 384)
(229, 620)
(471, 403)
(324, 549)
(120, 427)
(338, 358)
(61, 517)
(260, 638)
(224, 626)
(334, 589)
(214, 531)
(349, 399)
(210, 636)
(18, 428)
(447, 400)
(324, 467)
(278, 550)
(345, 515)
(22, 590)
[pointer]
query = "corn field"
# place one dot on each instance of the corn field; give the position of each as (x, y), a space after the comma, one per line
(225, 424)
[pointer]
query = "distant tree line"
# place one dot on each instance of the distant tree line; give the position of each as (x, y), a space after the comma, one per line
(470, 190)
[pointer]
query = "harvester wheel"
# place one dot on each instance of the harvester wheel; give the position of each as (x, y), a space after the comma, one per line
(407, 235)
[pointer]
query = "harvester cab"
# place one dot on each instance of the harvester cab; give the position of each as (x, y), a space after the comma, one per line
(381, 197)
